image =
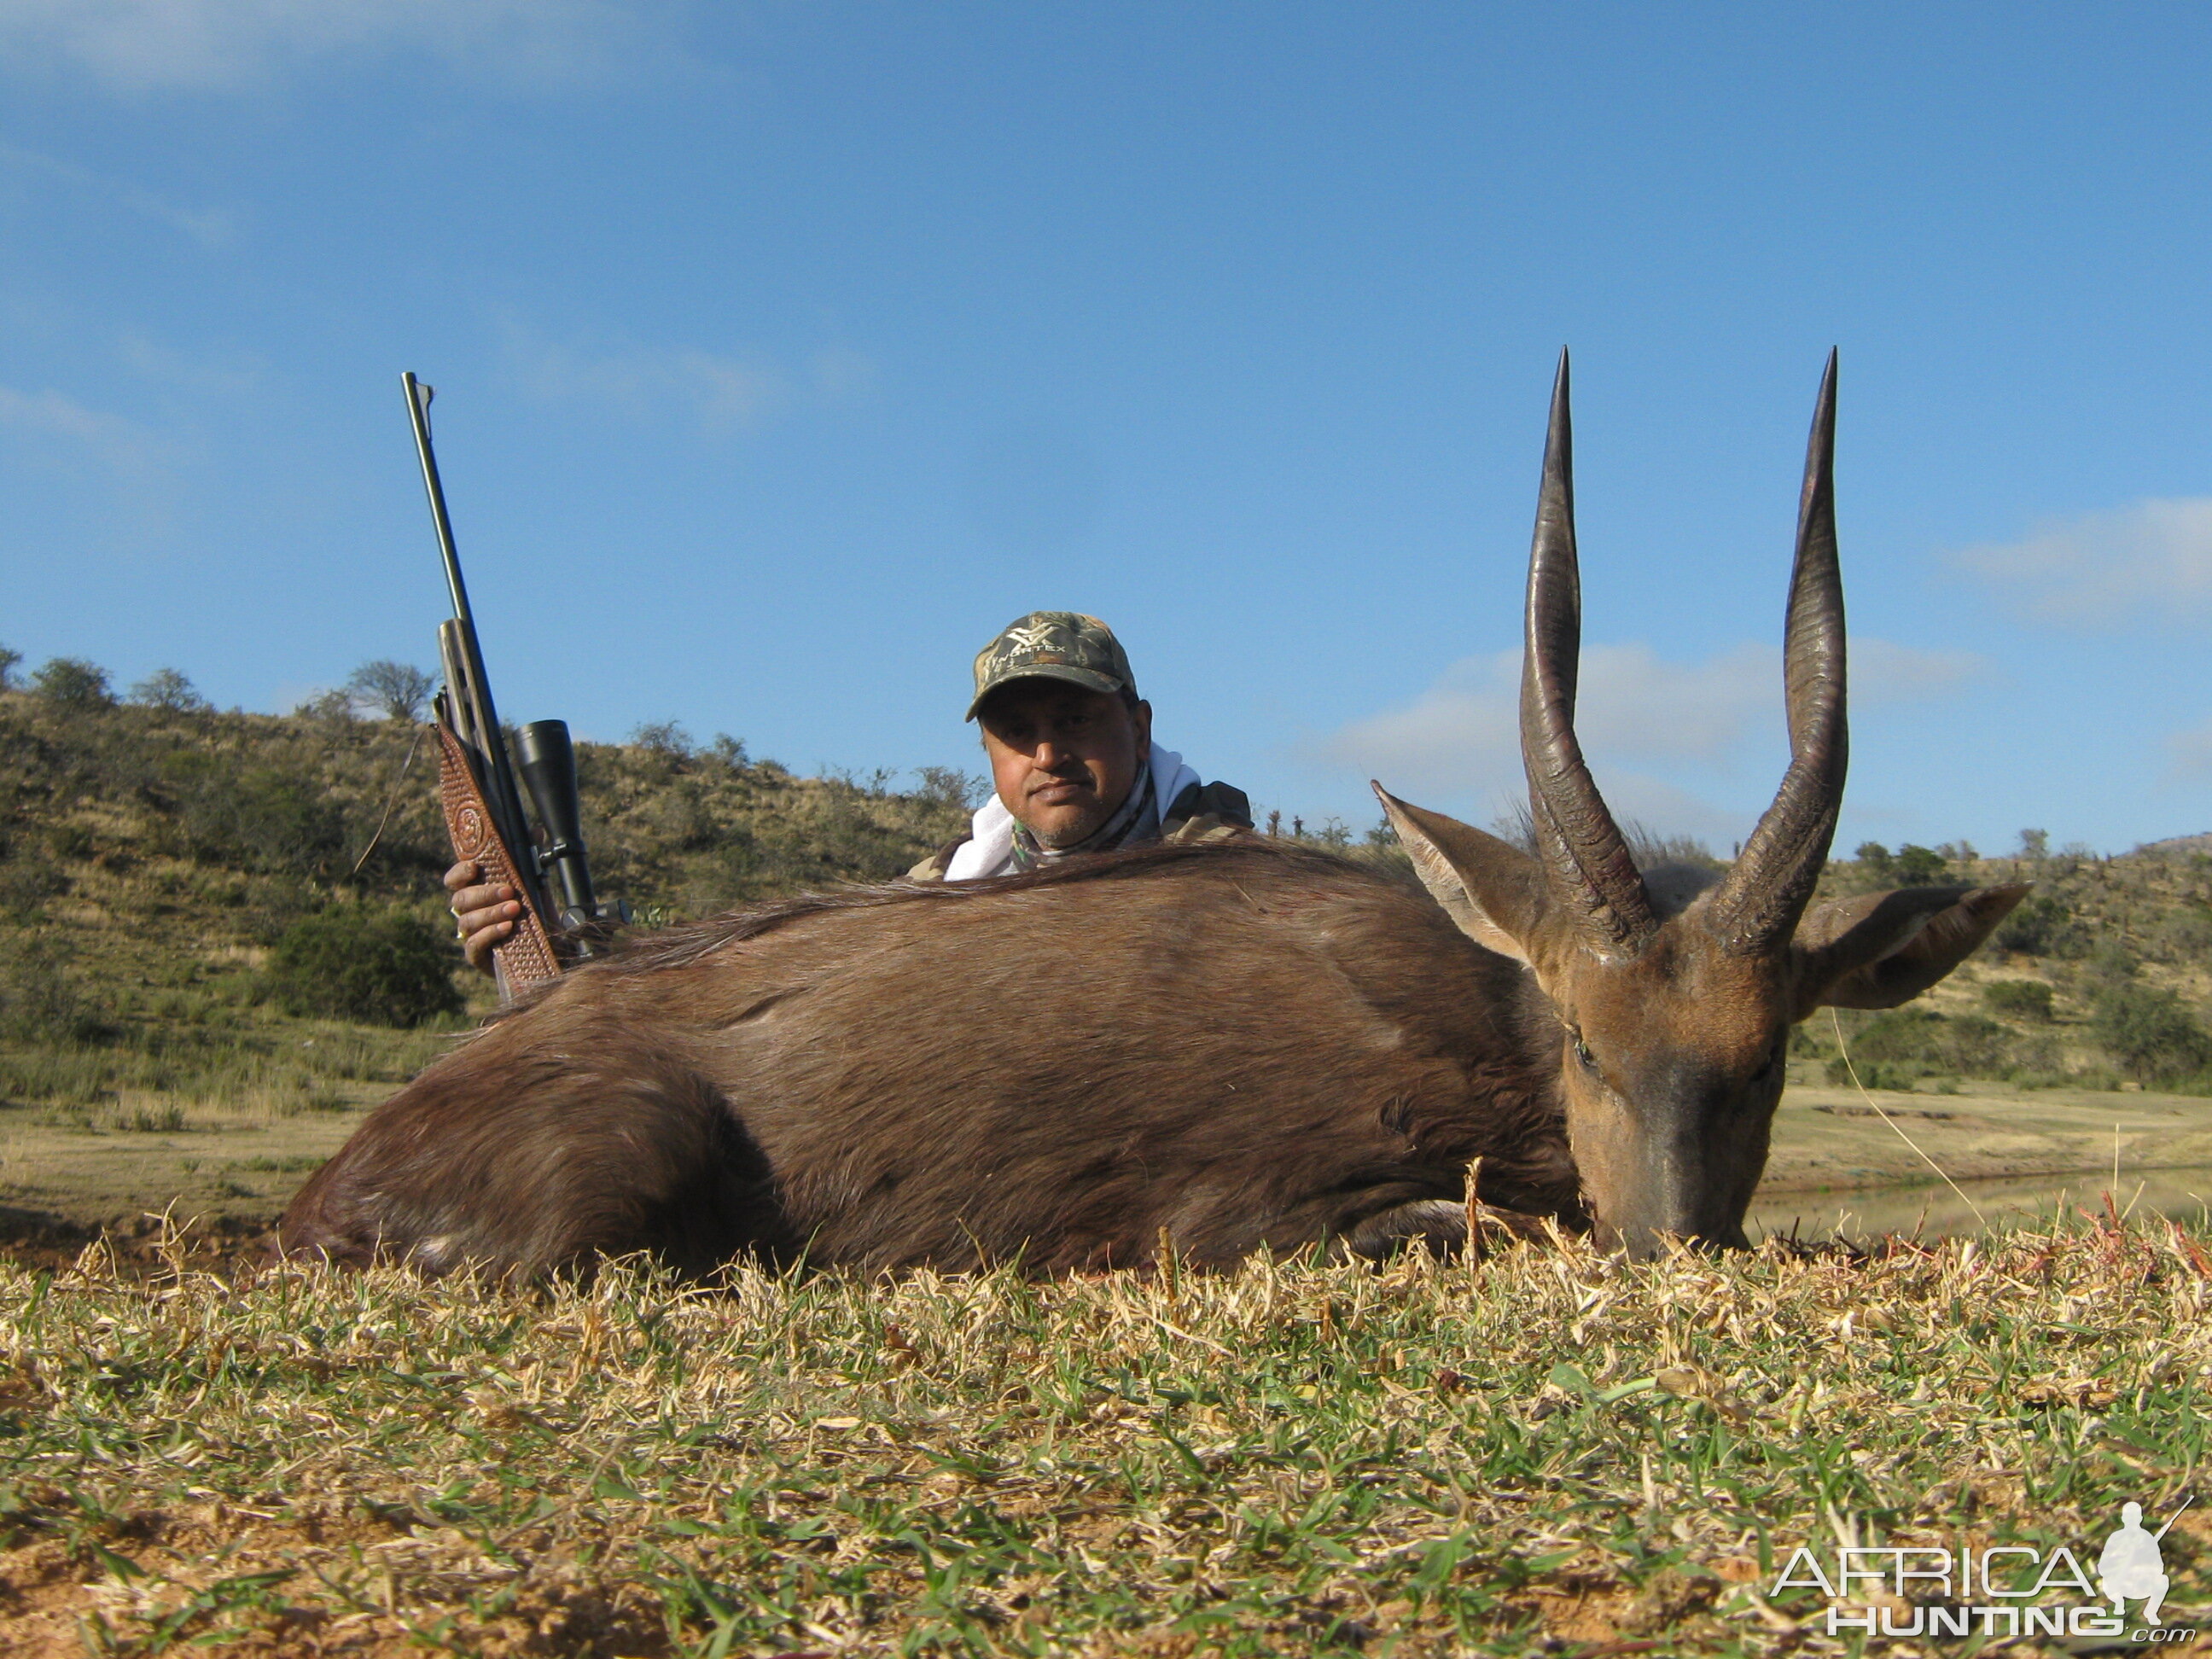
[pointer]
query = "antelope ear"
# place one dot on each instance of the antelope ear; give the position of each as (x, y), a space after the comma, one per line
(1881, 949)
(1490, 888)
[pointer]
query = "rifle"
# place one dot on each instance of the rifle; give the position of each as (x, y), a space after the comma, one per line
(484, 813)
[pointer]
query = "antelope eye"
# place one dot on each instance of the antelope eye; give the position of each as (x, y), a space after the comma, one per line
(1582, 1053)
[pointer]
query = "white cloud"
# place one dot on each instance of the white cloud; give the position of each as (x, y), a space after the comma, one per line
(719, 390)
(2192, 750)
(1464, 731)
(232, 376)
(209, 227)
(223, 45)
(2101, 568)
(1637, 716)
(48, 415)
(1882, 673)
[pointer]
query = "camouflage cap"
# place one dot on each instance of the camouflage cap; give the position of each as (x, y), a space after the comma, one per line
(1054, 645)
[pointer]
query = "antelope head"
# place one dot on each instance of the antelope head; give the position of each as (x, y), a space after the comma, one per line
(1675, 1017)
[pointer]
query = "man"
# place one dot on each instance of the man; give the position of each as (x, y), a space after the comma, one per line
(1074, 769)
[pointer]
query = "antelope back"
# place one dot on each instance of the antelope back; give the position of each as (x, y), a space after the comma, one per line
(1233, 1047)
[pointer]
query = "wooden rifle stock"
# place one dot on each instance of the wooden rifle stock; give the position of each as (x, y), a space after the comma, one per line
(527, 957)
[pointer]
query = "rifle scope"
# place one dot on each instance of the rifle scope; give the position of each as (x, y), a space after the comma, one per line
(547, 762)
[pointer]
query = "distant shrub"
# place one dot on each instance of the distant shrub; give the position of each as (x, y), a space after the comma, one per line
(1895, 1050)
(1919, 866)
(387, 968)
(265, 819)
(398, 690)
(2148, 1031)
(165, 687)
(1908, 867)
(950, 789)
(332, 707)
(73, 682)
(28, 880)
(38, 1001)
(1891, 1051)
(2020, 998)
(9, 661)
(667, 740)
(2042, 926)
(2186, 936)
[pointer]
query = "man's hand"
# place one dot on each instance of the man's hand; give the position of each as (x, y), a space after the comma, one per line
(486, 915)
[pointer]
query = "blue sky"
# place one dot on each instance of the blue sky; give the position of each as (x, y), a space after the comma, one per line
(786, 351)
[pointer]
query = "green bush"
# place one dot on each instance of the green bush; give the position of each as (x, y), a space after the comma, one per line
(73, 682)
(2020, 998)
(165, 687)
(382, 968)
(1920, 867)
(1895, 1050)
(2042, 926)
(28, 880)
(1909, 866)
(2186, 936)
(265, 818)
(38, 1001)
(2146, 1030)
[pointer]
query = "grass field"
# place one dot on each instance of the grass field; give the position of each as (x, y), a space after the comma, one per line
(1548, 1450)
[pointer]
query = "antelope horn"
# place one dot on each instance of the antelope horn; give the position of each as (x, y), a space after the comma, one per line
(1586, 859)
(1758, 905)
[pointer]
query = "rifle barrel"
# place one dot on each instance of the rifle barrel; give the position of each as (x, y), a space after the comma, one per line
(500, 786)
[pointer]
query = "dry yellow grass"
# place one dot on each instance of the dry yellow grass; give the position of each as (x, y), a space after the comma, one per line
(1551, 1445)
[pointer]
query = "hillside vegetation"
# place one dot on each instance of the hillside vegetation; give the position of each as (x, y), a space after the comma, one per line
(2100, 979)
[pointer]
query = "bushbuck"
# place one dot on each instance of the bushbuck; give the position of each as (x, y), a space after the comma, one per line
(1213, 1049)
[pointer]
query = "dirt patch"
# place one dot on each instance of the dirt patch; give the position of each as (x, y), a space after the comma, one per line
(357, 1579)
(142, 1246)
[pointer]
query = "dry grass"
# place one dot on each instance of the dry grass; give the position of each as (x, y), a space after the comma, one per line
(1548, 1446)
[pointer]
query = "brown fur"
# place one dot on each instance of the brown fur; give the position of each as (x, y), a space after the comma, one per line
(1236, 1047)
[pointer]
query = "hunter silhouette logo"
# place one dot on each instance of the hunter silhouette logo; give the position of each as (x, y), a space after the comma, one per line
(2005, 1590)
(2133, 1565)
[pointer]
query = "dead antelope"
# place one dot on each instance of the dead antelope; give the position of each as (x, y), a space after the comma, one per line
(1236, 1047)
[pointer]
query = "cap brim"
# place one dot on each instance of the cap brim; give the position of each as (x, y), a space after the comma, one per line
(1089, 678)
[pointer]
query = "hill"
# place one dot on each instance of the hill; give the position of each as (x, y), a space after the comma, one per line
(2100, 980)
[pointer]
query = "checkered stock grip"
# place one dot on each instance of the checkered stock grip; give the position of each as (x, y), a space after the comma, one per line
(528, 957)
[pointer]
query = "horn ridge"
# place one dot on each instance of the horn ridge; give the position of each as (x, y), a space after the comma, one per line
(1759, 902)
(1587, 865)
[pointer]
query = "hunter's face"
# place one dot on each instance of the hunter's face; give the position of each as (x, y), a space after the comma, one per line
(1063, 758)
